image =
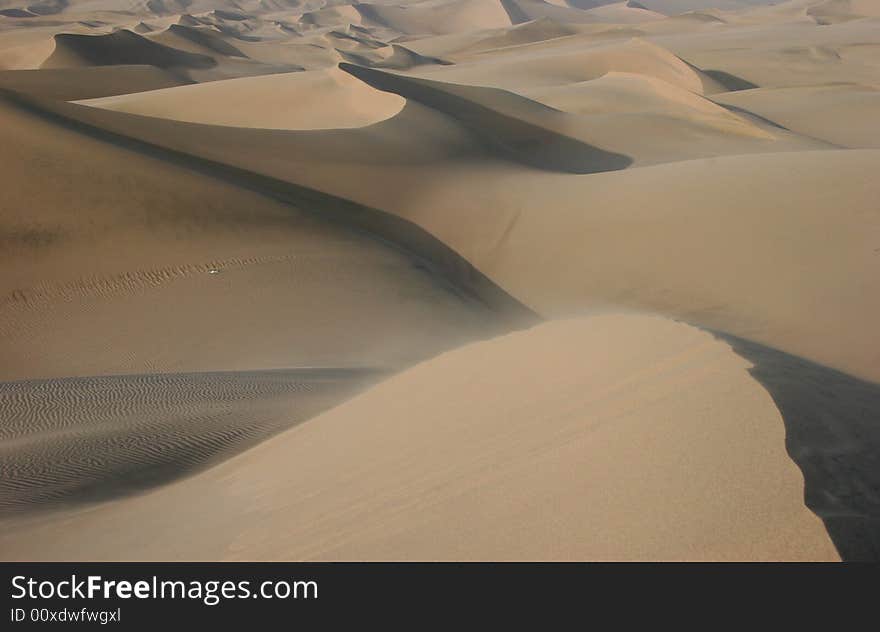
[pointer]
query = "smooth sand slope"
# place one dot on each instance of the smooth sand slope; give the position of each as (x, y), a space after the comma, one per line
(219, 219)
(852, 121)
(74, 440)
(615, 437)
(99, 81)
(300, 100)
(254, 283)
(757, 245)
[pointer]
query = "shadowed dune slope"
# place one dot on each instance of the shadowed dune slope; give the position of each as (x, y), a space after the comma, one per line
(624, 119)
(121, 47)
(853, 111)
(571, 60)
(199, 40)
(521, 11)
(531, 132)
(786, 269)
(81, 440)
(544, 423)
(70, 84)
(222, 218)
(255, 283)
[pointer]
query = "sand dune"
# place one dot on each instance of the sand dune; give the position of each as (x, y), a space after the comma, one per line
(777, 303)
(231, 261)
(302, 100)
(568, 60)
(73, 440)
(395, 57)
(629, 12)
(805, 111)
(467, 455)
(199, 40)
(436, 16)
(222, 218)
(121, 47)
(69, 84)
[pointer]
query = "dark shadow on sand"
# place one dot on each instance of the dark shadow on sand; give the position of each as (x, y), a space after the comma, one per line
(832, 432)
(731, 82)
(66, 442)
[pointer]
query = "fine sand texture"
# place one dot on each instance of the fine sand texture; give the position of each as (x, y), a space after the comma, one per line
(440, 279)
(574, 440)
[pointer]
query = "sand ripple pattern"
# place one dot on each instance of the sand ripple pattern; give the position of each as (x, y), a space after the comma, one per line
(72, 440)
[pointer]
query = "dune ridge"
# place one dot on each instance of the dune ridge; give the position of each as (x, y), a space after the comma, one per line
(281, 266)
(559, 433)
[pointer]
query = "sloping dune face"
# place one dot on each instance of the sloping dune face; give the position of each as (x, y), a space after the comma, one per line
(191, 241)
(601, 424)
(219, 220)
(303, 100)
(122, 47)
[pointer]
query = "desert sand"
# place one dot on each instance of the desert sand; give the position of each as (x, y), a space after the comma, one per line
(440, 279)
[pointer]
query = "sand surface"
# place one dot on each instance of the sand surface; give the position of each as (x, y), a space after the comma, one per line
(221, 221)
(574, 440)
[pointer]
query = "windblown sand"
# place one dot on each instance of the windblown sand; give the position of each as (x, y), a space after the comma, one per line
(219, 223)
(574, 440)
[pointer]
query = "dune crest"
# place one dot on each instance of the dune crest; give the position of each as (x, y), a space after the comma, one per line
(536, 445)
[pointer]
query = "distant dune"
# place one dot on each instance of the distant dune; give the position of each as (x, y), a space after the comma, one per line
(121, 47)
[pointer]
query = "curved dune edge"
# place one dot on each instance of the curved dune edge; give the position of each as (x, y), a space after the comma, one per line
(318, 99)
(615, 437)
(541, 236)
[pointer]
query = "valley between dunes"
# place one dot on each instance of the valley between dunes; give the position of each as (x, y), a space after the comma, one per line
(443, 280)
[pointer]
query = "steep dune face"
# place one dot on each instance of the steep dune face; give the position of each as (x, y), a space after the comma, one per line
(529, 132)
(572, 60)
(135, 231)
(395, 57)
(467, 455)
(618, 121)
(69, 84)
(331, 16)
(199, 40)
(517, 238)
(138, 431)
(303, 100)
(121, 47)
(26, 48)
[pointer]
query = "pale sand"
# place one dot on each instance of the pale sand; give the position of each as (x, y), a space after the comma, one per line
(255, 186)
(301, 100)
(615, 437)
